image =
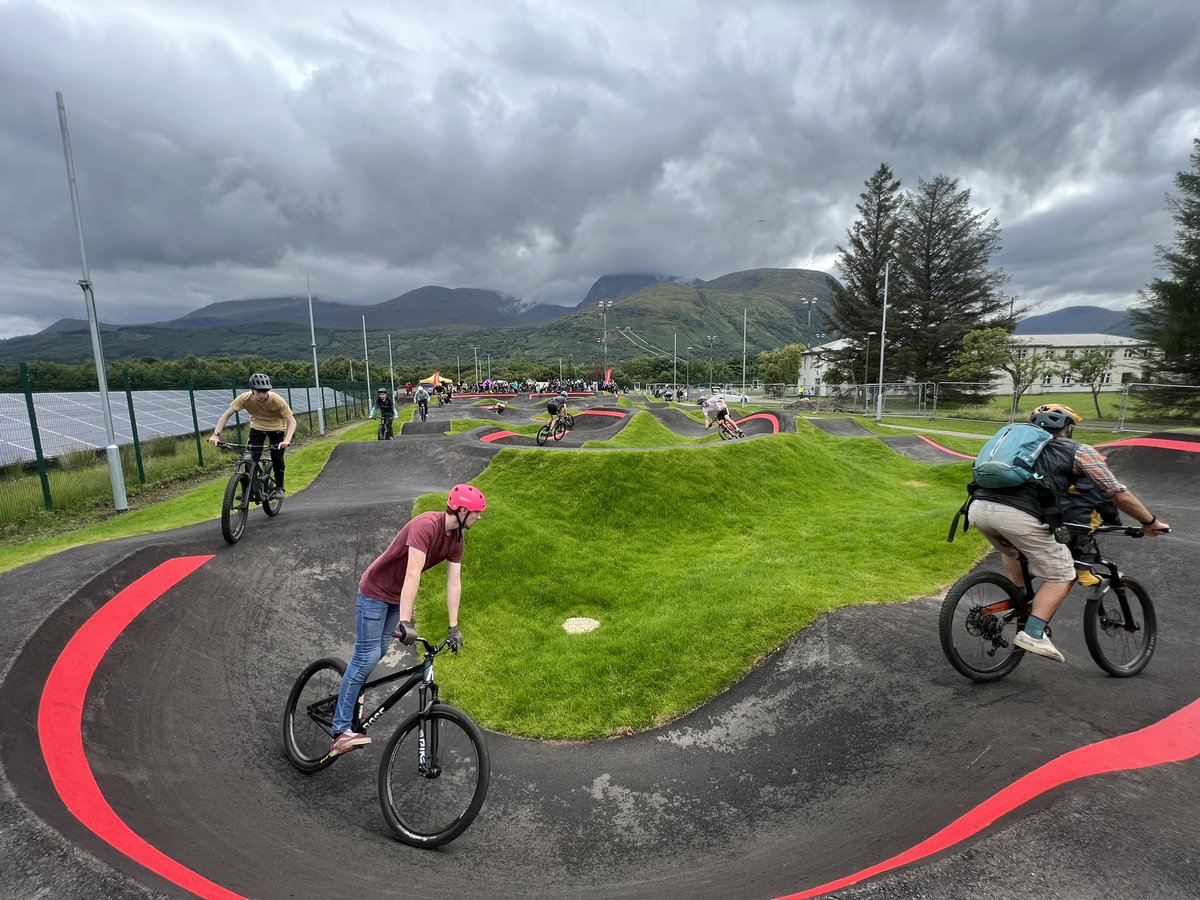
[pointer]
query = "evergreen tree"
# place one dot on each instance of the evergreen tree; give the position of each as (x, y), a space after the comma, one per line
(857, 303)
(941, 286)
(1169, 313)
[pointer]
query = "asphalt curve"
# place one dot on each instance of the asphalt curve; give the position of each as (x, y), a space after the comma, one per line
(851, 744)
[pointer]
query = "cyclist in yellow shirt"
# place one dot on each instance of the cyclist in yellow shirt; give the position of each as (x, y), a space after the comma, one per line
(270, 418)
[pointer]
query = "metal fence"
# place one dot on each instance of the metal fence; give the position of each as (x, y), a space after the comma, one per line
(52, 442)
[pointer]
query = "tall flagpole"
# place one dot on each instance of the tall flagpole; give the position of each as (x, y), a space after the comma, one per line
(115, 473)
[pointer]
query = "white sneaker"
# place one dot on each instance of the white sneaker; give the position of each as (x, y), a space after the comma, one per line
(1041, 646)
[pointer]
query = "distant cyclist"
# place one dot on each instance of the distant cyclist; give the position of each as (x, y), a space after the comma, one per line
(556, 407)
(270, 418)
(1014, 519)
(387, 592)
(387, 411)
(723, 416)
(422, 399)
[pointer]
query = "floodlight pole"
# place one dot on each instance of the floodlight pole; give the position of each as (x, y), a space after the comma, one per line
(743, 352)
(391, 369)
(366, 357)
(312, 331)
(882, 340)
(115, 473)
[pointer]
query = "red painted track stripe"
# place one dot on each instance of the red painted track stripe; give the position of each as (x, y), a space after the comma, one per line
(944, 449)
(1173, 739)
(770, 417)
(1160, 443)
(60, 725)
(497, 436)
(601, 412)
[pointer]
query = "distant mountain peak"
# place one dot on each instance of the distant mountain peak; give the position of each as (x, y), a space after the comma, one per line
(1078, 320)
(617, 285)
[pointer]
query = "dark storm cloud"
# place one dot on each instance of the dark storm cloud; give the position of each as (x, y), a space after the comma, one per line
(531, 147)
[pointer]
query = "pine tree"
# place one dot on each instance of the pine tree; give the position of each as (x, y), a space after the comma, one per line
(857, 303)
(1169, 313)
(941, 285)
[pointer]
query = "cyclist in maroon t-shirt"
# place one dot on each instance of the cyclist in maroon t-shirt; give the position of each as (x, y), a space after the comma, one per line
(388, 589)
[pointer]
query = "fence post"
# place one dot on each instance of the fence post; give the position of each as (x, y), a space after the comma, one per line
(195, 422)
(936, 387)
(27, 387)
(137, 446)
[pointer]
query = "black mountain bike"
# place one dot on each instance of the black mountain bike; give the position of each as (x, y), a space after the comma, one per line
(251, 482)
(435, 772)
(983, 612)
(565, 422)
(385, 428)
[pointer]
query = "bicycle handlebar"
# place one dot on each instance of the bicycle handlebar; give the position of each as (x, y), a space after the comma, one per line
(225, 445)
(1127, 530)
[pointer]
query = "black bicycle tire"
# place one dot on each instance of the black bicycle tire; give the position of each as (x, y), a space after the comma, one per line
(569, 419)
(543, 435)
(233, 512)
(380, 433)
(267, 486)
(407, 832)
(724, 433)
(1137, 596)
(946, 626)
(560, 430)
(308, 761)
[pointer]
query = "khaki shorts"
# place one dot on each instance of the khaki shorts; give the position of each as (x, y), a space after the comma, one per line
(1009, 529)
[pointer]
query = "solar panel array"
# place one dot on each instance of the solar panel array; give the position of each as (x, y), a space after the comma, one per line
(75, 420)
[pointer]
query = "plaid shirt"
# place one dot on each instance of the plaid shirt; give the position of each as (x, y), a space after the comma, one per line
(1090, 464)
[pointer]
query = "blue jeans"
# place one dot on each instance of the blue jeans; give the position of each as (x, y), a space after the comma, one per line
(374, 622)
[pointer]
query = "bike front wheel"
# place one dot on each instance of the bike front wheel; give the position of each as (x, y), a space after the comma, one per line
(431, 790)
(1120, 643)
(569, 419)
(725, 433)
(308, 716)
(235, 507)
(271, 504)
(980, 616)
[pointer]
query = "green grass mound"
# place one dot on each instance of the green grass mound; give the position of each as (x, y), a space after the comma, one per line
(644, 430)
(696, 562)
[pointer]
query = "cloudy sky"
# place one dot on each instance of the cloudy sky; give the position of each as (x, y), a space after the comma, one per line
(224, 150)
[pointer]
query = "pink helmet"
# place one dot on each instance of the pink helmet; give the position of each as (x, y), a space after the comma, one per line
(466, 496)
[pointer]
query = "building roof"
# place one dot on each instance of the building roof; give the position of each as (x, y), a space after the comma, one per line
(1079, 340)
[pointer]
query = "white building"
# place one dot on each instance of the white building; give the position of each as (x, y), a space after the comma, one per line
(1129, 357)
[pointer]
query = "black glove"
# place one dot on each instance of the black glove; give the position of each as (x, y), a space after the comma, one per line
(406, 633)
(455, 638)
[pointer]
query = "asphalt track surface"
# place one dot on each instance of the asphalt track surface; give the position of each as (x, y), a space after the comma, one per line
(851, 745)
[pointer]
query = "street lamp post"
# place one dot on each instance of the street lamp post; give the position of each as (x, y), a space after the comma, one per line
(475, 350)
(712, 339)
(809, 304)
(882, 340)
(604, 307)
(687, 370)
(867, 366)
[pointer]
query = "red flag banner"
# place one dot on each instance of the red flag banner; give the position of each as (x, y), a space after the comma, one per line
(608, 376)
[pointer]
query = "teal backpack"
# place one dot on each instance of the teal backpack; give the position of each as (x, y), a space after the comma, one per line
(1006, 461)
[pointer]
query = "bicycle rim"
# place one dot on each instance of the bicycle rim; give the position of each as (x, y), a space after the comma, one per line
(725, 435)
(559, 430)
(235, 507)
(308, 716)
(1121, 646)
(267, 486)
(431, 806)
(977, 624)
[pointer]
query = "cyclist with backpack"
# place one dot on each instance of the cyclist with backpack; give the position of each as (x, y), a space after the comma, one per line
(387, 592)
(270, 418)
(1024, 517)
(387, 411)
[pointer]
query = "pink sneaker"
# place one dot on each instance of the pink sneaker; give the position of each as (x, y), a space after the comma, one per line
(347, 741)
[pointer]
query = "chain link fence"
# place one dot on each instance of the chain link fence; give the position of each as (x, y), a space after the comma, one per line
(52, 443)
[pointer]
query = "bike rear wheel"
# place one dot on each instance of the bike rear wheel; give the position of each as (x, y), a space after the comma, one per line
(430, 803)
(543, 435)
(1121, 645)
(560, 429)
(308, 716)
(980, 616)
(235, 506)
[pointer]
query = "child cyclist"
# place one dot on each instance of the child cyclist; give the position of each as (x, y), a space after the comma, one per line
(387, 412)
(387, 592)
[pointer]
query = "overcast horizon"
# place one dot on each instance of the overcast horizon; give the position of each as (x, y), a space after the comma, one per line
(225, 151)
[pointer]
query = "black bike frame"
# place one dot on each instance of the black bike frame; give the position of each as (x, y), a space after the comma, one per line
(419, 675)
(1113, 576)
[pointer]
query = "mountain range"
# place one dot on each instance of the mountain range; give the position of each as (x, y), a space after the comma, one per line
(650, 314)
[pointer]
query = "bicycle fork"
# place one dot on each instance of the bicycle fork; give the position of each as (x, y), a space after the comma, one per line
(427, 729)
